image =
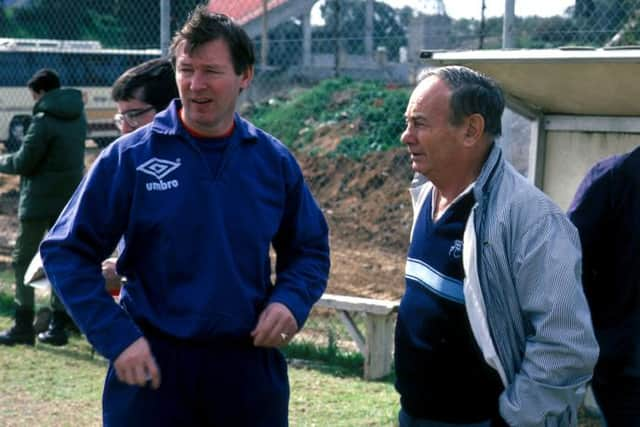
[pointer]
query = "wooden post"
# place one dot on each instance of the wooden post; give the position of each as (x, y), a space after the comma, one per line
(379, 354)
(376, 344)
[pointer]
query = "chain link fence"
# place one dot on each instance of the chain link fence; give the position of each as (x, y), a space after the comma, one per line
(299, 43)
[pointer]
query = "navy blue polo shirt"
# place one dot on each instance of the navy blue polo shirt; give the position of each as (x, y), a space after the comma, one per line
(440, 371)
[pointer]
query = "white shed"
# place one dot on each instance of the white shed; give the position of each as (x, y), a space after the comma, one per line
(584, 105)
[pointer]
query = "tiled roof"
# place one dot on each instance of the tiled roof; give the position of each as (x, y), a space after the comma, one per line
(242, 11)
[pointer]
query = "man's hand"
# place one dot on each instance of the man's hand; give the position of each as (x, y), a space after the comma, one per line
(276, 326)
(136, 365)
(113, 282)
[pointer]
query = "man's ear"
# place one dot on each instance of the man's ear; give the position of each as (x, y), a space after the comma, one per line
(474, 129)
(246, 77)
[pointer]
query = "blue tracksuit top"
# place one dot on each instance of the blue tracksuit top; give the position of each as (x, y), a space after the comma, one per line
(197, 244)
(606, 212)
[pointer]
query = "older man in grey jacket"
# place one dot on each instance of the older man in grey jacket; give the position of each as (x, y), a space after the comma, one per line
(493, 328)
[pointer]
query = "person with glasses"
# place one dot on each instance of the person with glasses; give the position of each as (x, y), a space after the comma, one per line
(131, 119)
(139, 93)
(200, 195)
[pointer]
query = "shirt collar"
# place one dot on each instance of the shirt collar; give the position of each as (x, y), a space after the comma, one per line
(167, 122)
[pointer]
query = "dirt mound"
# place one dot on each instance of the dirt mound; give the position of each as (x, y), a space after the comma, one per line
(368, 209)
(366, 201)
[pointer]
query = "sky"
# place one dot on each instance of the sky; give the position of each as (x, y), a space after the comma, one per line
(471, 8)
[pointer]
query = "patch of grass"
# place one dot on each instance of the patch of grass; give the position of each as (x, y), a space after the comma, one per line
(285, 119)
(6, 276)
(337, 361)
(62, 386)
(381, 111)
(52, 386)
(6, 292)
(6, 304)
(46, 385)
(321, 399)
(377, 111)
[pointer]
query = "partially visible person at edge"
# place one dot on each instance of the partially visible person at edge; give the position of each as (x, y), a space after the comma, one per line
(493, 327)
(606, 211)
(139, 93)
(200, 195)
(50, 163)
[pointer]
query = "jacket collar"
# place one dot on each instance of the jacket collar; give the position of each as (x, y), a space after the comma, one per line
(167, 122)
(490, 170)
(487, 173)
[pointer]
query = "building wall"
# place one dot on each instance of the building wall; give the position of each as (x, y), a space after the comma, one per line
(569, 155)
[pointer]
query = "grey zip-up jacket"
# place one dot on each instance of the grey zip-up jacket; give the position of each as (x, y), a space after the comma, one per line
(524, 297)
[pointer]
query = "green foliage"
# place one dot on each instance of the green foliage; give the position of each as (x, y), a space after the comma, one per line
(345, 21)
(381, 111)
(377, 111)
(6, 292)
(285, 119)
(606, 15)
(336, 360)
(6, 304)
(115, 23)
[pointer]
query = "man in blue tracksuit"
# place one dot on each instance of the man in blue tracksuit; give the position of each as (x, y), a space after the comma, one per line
(199, 195)
(606, 211)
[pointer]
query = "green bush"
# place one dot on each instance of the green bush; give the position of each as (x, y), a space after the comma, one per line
(285, 119)
(375, 108)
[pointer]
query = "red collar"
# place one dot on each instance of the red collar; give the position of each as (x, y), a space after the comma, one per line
(197, 134)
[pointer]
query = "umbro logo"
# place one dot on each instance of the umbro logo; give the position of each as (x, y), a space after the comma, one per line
(159, 168)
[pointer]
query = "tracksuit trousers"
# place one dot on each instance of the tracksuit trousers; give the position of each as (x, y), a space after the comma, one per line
(227, 383)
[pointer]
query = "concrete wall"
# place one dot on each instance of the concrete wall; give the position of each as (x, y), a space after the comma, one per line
(569, 155)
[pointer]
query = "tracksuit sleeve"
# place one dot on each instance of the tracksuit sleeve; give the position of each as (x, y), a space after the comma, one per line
(589, 212)
(86, 233)
(302, 250)
(561, 349)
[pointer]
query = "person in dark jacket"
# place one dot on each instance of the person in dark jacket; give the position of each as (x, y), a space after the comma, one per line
(200, 196)
(606, 211)
(50, 163)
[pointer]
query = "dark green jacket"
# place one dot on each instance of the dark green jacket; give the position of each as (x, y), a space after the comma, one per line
(50, 161)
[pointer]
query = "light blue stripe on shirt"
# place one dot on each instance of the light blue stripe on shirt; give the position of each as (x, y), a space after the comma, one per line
(425, 275)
